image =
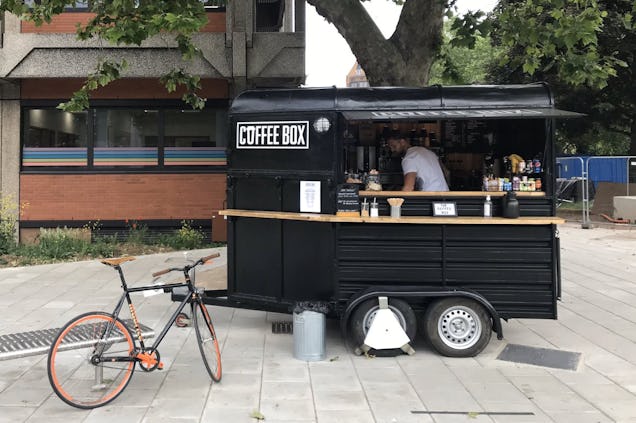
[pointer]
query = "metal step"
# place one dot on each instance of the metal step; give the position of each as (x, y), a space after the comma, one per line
(24, 344)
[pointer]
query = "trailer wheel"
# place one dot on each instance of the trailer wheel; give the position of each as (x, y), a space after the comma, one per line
(364, 314)
(457, 327)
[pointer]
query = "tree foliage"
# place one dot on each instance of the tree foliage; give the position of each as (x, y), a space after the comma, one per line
(462, 62)
(127, 22)
(610, 104)
(560, 36)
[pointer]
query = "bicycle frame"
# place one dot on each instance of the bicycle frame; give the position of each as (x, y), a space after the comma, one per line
(125, 298)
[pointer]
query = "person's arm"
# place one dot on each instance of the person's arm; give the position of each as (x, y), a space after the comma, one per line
(409, 181)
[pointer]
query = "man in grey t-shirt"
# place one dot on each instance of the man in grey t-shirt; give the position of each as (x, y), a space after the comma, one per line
(421, 167)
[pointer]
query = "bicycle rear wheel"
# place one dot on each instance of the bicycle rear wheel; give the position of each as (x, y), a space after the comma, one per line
(78, 364)
(206, 337)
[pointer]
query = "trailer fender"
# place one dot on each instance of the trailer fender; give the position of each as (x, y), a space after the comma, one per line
(404, 292)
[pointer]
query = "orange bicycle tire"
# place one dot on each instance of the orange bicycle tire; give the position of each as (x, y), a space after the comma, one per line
(69, 364)
(209, 346)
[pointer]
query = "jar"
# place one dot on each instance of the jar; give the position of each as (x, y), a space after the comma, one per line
(373, 182)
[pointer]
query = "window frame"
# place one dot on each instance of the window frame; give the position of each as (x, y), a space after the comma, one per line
(90, 167)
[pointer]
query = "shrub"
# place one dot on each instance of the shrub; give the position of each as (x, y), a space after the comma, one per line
(8, 220)
(185, 238)
(62, 243)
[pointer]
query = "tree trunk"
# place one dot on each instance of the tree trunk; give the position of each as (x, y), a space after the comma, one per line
(404, 59)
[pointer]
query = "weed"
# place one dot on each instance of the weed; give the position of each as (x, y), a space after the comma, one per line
(137, 232)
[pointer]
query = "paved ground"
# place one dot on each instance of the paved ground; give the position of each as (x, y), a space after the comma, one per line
(597, 318)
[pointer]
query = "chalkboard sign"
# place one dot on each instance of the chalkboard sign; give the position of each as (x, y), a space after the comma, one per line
(347, 199)
(452, 133)
(476, 131)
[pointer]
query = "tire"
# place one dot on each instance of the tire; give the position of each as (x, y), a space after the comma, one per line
(208, 342)
(457, 327)
(364, 314)
(71, 372)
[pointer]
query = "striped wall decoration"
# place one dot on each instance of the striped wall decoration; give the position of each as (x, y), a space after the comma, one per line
(34, 156)
(194, 156)
(124, 156)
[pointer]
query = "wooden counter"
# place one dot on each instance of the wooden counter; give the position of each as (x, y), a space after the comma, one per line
(446, 194)
(417, 220)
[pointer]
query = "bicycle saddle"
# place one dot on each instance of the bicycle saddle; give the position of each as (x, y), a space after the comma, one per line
(117, 261)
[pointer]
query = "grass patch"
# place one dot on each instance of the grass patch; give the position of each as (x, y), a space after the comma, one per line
(576, 205)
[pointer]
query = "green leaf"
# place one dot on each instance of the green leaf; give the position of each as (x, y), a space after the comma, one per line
(257, 415)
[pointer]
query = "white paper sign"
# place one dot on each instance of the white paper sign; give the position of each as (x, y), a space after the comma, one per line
(310, 196)
(444, 209)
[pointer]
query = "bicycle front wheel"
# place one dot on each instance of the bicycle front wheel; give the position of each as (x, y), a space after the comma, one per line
(206, 337)
(79, 364)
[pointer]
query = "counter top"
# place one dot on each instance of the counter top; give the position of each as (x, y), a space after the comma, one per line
(417, 220)
(446, 194)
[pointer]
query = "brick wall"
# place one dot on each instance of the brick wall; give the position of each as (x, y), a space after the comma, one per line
(121, 196)
(65, 23)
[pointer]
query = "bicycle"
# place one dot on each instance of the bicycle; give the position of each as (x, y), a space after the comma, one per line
(92, 359)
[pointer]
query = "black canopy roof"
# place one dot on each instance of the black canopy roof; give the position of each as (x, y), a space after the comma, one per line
(394, 103)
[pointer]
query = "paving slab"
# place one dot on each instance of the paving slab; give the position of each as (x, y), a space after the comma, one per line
(597, 318)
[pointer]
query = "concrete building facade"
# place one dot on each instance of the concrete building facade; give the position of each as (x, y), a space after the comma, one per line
(139, 153)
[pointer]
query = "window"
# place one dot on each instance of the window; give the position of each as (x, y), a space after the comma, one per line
(78, 5)
(55, 128)
(191, 128)
(106, 137)
(126, 128)
(213, 4)
(52, 137)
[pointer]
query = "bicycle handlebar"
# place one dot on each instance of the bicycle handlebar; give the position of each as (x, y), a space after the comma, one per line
(162, 272)
(187, 267)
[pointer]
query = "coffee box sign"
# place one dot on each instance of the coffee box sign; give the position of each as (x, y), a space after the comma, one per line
(286, 135)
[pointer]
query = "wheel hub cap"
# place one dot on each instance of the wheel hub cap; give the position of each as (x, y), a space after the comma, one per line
(458, 327)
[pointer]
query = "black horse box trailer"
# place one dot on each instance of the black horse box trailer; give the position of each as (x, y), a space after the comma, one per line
(299, 166)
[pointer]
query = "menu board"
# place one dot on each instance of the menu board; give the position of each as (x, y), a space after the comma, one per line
(347, 199)
(467, 133)
(452, 132)
(476, 130)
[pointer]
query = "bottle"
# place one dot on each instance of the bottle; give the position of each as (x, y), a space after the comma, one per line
(521, 167)
(488, 207)
(537, 184)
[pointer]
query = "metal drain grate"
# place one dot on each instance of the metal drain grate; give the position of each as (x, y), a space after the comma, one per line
(24, 344)
(545, 357)
(283, 327)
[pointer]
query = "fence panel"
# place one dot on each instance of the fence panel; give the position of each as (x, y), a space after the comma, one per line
(590, 171)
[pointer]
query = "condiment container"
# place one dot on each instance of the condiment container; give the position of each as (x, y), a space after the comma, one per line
(364, 209)
(488, 207)
(510, 205)
(396, 206)
(374, 208)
